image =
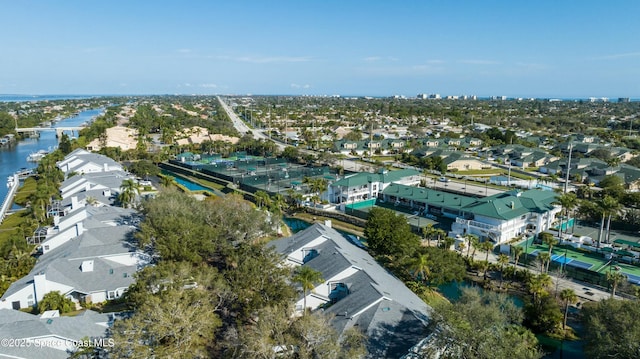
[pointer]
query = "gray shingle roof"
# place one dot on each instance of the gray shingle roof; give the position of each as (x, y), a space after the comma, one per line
(18, 325)
(62, 265)
(378, 303)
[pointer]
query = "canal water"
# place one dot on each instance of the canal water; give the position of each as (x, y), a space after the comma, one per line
(14, 157)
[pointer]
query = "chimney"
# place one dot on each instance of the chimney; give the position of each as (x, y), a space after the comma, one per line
(106, 167)
(74, 203)
(86, 266)
(327, 222)
(79, 229)
(40, 286)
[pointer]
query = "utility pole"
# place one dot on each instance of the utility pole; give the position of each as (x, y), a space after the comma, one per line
(566, 181)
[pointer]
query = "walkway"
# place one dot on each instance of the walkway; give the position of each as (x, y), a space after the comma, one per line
(14, 183)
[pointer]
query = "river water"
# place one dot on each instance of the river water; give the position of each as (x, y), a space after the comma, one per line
(14, 157)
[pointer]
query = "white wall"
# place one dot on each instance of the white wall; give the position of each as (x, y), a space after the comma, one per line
(61, 238)
(21, 295)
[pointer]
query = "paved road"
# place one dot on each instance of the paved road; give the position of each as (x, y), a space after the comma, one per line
(242, 127)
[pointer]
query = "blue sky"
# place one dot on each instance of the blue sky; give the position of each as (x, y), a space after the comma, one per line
(513, 48)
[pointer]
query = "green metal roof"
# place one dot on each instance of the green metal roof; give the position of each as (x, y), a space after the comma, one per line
(629, 243)
(429, 196)
(505, 206)
(363, 178)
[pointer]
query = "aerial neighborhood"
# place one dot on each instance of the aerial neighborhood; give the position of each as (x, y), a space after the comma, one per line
(251, 224)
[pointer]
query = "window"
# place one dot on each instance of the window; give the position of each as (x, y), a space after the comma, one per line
(46, 247)
(111, 295)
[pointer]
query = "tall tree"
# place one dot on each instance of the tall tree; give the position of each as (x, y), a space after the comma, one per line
(607, 205)
(611, 329)
(487, 247)
(389, 234)
(307, 277)
(568, 296)
(129, 190)
(503, 260)
(567, 201)
(517, 252)
(615, 278)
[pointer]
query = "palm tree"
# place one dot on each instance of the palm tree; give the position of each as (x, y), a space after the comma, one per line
(486, 247)
(607, 205)
(613, 209)
(262, 198)
(166, 181)
(307, 277)
(543, 257)
(129, 189)
(569, 297)
(419, 267)
(568, 202)
(517, 252)
(461, 247)
(615, 278)
(550, 241)
(473, 242)
(503, 260)
(538, 286)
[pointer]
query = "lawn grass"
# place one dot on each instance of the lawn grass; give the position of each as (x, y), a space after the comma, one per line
(11, 223)
(343, 226)
(25, 191)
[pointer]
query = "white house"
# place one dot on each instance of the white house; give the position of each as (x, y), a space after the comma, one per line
(363, 186)
(357, 292)
(96, 266)
(82, 161)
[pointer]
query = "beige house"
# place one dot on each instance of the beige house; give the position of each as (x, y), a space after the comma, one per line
(124, 138)
(197, 135)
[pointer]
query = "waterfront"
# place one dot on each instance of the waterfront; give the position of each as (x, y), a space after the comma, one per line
(14, 157)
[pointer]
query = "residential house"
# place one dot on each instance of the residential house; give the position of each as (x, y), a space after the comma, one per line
(362, 186)
(124, 138)
(82, 161)
(356, 292)
(94, 266)
(50, 335)
(460, 162)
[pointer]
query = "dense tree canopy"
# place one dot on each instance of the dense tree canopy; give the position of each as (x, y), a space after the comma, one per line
(480, 326)
(611, 329)
(389, 234)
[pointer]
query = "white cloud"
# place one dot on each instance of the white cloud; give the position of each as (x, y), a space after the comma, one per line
(266, 59)
(185, 51)
(372, 58)
(478, 62)
(211, 86)
(296, 86)
(617, 56)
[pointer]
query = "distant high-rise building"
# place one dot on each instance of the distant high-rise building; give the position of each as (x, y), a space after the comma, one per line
(435, 96)
(623, 99)
(422, 96)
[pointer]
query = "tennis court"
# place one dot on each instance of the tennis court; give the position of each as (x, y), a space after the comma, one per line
(564, 260)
